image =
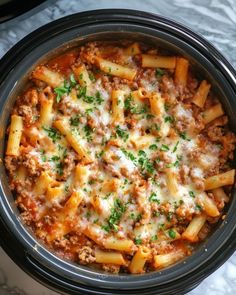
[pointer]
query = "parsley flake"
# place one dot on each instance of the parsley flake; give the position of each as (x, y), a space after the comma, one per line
(172, 234)
(122, 133)
(52, 133)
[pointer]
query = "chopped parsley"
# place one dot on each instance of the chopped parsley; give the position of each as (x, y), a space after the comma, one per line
(138, 241)
(198, 207)
(90, 110)
(172, 234)
(122, 133)
(155, 127)
(92, 77)
(55, 158)
(65, 89)
(133, 108)
(59, 167)
(88, 99)
(159, 72)
(175, 164)
(191, 193)
(169, 216)
(75, 121)
(153, 147)
(153, 198)
(88, 132)
(60, 91)
(115, 217)
(179, 157)
(184, 136)
(167, 107)
(128, 155)
(99, 154)
(99, 98)
(146, 165)
(126, 181)
(150, 116)
(136, 218)
(82, 92)
(72, 80)
(181, 202)
(107, 196)
(164, 148)
(66, 188)
(161, 226)
(52, 133)
(106, 228)
(169, 119)
(91, 181)
(175, 147)
(88, 214)
(153, 238)
(43, 156)
(142, 153)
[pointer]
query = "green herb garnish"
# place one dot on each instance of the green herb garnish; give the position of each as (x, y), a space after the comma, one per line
(191, 193)
(159, 72)
(72, 80)
(172, 234)
(153, 198)
(164, 148)
(184, 136)
(75, 121)
(169, 119)
(88, 132)
(116, 214)
(52, 133)
(153, 147)
(65, 89)
(138, 241)
(122, 133)
(153, 238)
(175, 147)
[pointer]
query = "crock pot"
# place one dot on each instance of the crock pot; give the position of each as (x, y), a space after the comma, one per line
(73, 30)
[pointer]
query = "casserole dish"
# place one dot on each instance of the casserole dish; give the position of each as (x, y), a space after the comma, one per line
(52, 39)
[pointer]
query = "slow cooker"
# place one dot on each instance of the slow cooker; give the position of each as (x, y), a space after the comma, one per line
(73, 30)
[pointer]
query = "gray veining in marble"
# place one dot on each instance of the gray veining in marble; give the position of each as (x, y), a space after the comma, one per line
(214, 19)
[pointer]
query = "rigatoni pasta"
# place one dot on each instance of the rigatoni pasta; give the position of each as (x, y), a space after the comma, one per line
(119, 157)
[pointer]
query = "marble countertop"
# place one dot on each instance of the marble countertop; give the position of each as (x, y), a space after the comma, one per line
(214, 19)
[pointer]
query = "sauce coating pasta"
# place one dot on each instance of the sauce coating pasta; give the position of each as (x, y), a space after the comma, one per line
(119, 157)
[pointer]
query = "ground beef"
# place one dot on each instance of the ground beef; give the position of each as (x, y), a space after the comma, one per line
(31, 162)
(27, 113)
(184, 174)
(215, 133)
(204, 231)
(228, 145)
(86, 255)
(28, 207)
(31, 97)
(62, 243)
(112, 268)
(67, 107)
(198, 181)
(161, 248)
(68, 165)
(11, 163)
(27, 106)
(168, 89)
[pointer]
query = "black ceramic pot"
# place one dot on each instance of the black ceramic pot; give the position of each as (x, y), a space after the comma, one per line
(74, 30)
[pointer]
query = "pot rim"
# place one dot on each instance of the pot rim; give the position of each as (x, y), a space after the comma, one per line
(36, 255)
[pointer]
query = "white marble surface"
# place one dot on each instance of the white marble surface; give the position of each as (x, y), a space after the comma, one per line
(214, 19)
